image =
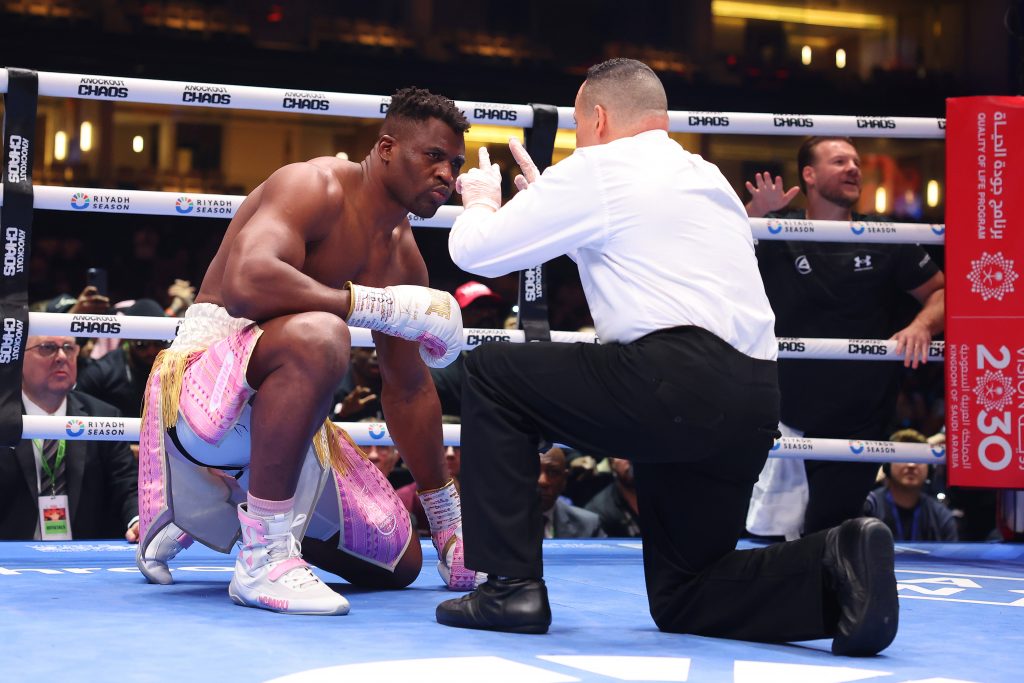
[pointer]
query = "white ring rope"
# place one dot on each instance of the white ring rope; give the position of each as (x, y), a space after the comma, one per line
(744, 123)
(192, 205)
(180, 204)
(747, 123)
(376, 433)
(184, 93)
(219, 96)
(141, 327)
(801, 230)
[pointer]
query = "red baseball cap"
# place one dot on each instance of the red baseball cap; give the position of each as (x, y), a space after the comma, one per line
(468, 292)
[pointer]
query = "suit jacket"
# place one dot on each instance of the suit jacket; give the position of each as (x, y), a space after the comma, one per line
(573, 522)
(109, 380)
(101, 476)
(617, 519)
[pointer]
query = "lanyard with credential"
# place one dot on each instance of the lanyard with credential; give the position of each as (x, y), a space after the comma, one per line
(52, 474)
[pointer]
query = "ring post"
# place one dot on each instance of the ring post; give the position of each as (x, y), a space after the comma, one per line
(16, 219)
(533, 300)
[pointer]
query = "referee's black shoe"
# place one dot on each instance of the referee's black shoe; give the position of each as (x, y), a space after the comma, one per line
(859, 568)
(500, 604)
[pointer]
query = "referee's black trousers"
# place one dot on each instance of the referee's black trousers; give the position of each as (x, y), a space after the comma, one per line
(696, 418)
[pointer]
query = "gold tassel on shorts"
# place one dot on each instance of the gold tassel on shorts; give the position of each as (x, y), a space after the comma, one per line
(327, 445)
(172, 375)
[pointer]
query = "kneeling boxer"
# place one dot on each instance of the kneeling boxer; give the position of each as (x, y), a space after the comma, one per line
(238, 402)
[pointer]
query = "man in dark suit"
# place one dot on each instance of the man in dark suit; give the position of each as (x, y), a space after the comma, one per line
(97, 477)
(562, 520)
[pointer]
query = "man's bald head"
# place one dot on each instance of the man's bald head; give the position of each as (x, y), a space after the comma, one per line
(628, 89)
(620, 98)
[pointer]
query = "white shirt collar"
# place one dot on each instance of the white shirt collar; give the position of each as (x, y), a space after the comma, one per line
(31, 408)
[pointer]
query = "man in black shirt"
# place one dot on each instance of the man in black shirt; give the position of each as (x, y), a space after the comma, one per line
(357, 398)
(841, 290)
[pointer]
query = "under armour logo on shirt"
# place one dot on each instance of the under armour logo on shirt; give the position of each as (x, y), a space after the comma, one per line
(862, 262)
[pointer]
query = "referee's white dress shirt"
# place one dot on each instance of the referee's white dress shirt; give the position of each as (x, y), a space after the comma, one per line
(660, 238)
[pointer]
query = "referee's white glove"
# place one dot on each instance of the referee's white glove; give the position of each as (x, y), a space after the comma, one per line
(481, 186)
(526, 165)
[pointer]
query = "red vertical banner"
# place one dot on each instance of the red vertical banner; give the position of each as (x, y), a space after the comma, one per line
(985, 291)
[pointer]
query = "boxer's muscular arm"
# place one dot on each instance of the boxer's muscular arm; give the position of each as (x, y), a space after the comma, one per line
(263, 277)
(408, 397)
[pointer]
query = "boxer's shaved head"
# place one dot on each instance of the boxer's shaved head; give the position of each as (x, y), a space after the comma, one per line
(628, 89)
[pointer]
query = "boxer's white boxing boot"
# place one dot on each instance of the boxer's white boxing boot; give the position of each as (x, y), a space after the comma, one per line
(270, 572)
(152, 560)
(444, 512)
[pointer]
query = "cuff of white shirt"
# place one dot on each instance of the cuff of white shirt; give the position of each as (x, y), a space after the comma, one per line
(131, 522)
(473, 214)
(486, 204)
(465, 245)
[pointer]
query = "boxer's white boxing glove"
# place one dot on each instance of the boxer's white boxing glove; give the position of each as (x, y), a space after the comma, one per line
(428, 316)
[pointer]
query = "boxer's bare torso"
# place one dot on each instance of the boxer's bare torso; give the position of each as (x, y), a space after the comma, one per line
(332, 221)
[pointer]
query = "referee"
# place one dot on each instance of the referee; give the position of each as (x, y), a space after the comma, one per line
(684, 385)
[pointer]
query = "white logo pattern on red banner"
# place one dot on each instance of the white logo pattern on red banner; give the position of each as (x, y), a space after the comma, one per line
(994, 391)
(992, 276)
